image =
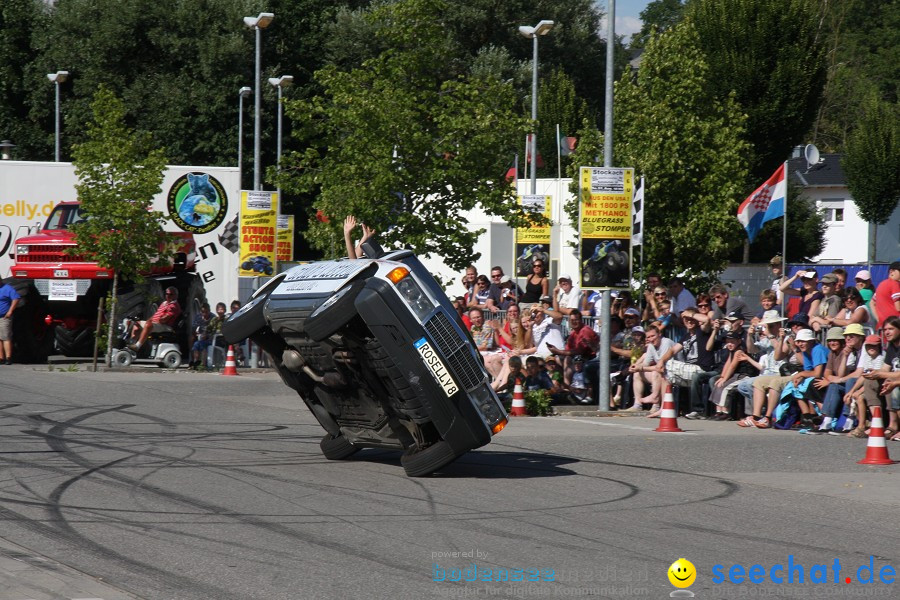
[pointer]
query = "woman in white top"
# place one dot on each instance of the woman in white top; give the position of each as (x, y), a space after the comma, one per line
(854, 310)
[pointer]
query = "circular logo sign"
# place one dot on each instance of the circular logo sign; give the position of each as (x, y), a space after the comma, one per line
(197, 202)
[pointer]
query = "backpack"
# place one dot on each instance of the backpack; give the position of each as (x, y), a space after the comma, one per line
(786, 414)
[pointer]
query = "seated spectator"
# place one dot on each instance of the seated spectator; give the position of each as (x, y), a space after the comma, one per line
(545, 331)
(768, 301)
(863, 280)
(871, 361)
(810, 296)
(582, 341)
(485, 337)
(854, 311)
(536, 379)
(621, 303)
(739, 365)
(652, 298)
(577, 384)
(509, 292)
(765, 341)
(889, 375)
(163, 319)
(845, 347)
(199, 336)
(459, 303)
(649, 371)
(814, 359)
(725, 303)
(496, 297)
(513, 337)
(554, 371)
(566, 296)
(239, 346)
(841, 284)
(690, 356)
(514, 376)
(829, 305)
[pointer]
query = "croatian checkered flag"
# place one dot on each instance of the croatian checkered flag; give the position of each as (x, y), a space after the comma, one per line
(764, 204)
(229, 237)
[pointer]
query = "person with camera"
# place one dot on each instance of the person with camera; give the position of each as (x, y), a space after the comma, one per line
(545, 328)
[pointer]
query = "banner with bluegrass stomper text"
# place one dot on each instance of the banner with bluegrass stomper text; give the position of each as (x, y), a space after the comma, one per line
(605, 221)
(533, 243)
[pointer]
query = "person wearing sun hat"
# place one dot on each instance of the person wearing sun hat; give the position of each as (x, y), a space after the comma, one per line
(866, 391)
(809, 294)
(840, 373)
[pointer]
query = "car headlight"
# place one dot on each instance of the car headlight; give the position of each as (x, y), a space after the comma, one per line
(21, 250)
(411, 293)
(486, 403)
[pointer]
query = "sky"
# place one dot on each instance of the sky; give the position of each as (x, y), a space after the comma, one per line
(627, 19)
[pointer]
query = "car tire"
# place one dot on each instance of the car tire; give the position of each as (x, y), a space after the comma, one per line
(75, 342)
(249, 319)
(334, 313)
(337, 447)
(418, 463)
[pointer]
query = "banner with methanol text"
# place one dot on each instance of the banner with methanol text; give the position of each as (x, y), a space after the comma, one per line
(605, 227)
(259, 222)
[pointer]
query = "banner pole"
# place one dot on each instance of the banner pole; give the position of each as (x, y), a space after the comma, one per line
(784, 237)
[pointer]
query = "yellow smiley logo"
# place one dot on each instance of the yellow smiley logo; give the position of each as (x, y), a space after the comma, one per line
(682, 573)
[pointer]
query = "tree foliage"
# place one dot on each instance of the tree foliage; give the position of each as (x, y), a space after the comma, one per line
(414, 140)
(770, 54)
(687, 141)
(872, 161)
(119, 172)
(558, 104)
(659, 16)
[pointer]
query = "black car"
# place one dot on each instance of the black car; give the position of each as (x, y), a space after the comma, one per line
(379, 356)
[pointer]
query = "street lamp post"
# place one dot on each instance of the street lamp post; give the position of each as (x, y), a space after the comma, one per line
(542, 28)
(280, 83)
(6, 147)
(242, 93)
(258, 23)
(56, 79)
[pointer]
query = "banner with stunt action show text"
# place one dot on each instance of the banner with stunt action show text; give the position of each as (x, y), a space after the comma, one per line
(605, 227)
(259, 214)
(533, 243)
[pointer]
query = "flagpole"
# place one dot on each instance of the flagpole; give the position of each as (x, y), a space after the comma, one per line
(784, 237)
(558, 155)
(643, 224)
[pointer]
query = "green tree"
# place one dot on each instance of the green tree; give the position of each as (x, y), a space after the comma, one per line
(119, 172)
(413, 142)
(659, 16)
(688, 142)
(770, 54)
(558, 104)
(872, 162)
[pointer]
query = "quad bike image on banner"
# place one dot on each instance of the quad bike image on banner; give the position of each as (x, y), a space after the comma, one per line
(529, 254)
(605, 263)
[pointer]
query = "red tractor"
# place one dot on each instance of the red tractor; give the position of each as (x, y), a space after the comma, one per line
(61, 292)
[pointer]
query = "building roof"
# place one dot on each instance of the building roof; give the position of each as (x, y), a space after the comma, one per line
(827, 173)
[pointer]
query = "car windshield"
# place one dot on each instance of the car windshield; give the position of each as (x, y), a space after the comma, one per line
(65, 215)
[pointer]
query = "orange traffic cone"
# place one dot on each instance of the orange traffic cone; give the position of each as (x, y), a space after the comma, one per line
(668, 420)
(230, 365)
(876, 449)
(518, 404)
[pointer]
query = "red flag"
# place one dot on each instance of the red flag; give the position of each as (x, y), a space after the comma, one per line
(540, 159)
(322, 217)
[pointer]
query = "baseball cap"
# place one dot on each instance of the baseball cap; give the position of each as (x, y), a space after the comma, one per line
(734, 335)
(564, 276)
(633, 311)
(873, 340)
(835, 333)
(547, 299)
(505, 279)
(829, 278)
(864, 275)
(810, 274)
(578, 359)
(771, 316)
(806, 335)
(637, 329)
(799, 319)
(733, 316)
(854, 329)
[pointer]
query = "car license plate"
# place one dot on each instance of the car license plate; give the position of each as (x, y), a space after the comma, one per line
(437, 367)
(60, 272)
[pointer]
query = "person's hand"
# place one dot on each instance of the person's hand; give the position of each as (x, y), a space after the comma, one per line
(717, 323)
(495, 308)
(847, 399)
(888, 385)
(821, 384)
(368, 232)
(556, 289)
(796, 379)
(870, 375)
(741, 355)
(632, 368)
(719, 382)
(349, 224)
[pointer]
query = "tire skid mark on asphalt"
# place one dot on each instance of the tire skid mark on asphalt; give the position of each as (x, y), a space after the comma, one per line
(618, 425)
(55, 438)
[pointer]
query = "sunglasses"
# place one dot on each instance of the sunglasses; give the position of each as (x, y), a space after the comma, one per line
(703, 306)
(659, 294)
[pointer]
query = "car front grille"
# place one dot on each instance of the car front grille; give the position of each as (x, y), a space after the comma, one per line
(47, 253)
(456, 351)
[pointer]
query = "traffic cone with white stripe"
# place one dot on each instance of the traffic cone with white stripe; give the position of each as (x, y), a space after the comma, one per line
(518, 403)
(230, 365)
(876, 449)
(668, 419)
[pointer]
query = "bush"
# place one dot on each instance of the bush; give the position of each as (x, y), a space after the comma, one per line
(537, 403)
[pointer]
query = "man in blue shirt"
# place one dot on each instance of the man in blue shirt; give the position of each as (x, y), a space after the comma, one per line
(815, 357)
(9, 299)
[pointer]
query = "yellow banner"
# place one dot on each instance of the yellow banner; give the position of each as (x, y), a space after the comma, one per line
(259, 213)
(285, 245)
(606, 202)
(536, 234)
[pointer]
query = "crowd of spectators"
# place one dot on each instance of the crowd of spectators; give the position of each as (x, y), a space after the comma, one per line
(819, 368)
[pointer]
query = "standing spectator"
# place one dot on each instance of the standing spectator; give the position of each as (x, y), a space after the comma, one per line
(767, 301)
(495, 291)
(863, 281)
(887, 295)
(778, 273)
(469, 281)
(725, 303)
(681, 297)
(810, 296)
(349, 225)
(566, 296)
(510, 292)
(829, 305)
(537, 284)
(238, 346)
(9, 300)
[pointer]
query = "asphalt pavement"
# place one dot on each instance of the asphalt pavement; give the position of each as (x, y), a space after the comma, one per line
(161, 485)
